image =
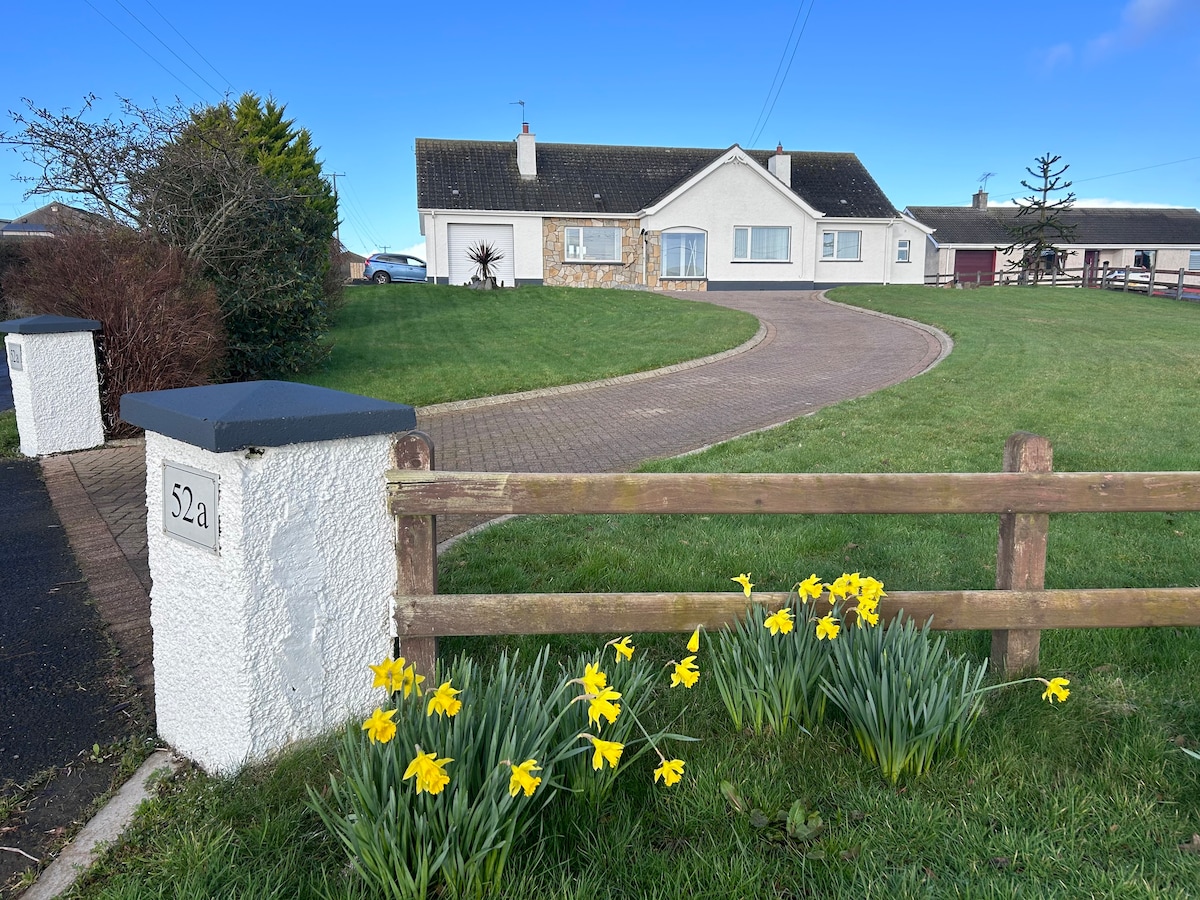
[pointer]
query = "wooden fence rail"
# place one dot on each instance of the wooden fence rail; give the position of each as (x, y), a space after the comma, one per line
(1181, 284)
(1023, 496)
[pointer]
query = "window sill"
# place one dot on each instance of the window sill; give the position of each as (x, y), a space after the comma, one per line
(829, 259)
(592, 262)
(683, 278)
(760, 262)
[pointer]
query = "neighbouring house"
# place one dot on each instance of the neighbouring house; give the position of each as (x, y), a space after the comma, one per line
(49, 220)
(660, 217)
(968, 242)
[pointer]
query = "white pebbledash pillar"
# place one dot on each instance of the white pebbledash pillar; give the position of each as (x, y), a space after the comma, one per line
(55, 385)
(272, 559)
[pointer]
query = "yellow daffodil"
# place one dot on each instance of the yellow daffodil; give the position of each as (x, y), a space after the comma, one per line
(380, 726)
(602, 705)
(405, 678)
(1056, 689)
(744, 581)
(868, 615)
(606, 751)
(442, 701)
(844, 585)
(624, 648)
(693, 643)
(810, 588)
(827, 627)
(686, 673)
(780, 623)
(671, 771)
(523, 778)
(871, 590)
(430, 772)
(593, 680)
(383, 672)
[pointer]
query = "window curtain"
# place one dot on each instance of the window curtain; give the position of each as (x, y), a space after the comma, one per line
(769, 243)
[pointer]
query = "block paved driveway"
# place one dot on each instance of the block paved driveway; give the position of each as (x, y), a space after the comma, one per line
(811, 353)
(814, 353)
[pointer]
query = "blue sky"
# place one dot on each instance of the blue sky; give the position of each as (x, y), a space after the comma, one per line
(930, 95)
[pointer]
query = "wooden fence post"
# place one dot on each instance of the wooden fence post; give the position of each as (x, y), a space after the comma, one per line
(416, 550)
(1021, 555)
(1179, 286)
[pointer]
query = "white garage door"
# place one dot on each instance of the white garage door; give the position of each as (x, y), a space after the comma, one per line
(460, 238)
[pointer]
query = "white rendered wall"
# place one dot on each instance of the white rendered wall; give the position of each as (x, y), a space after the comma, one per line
(56, 392)
(269, 641)
(733, 195)
(527, 239)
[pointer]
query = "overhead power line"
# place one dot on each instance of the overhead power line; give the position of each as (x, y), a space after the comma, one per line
(149, 30)
(143, 49)
(219, 73)
(783, 80)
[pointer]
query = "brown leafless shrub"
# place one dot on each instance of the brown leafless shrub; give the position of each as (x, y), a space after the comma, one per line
(161, 326)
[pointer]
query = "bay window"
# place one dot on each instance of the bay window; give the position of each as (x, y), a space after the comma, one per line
(683, 254)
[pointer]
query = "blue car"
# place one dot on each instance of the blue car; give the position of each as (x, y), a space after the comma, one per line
(384, 267)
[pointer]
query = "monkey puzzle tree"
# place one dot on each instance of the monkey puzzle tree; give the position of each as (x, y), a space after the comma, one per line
(1039, 230)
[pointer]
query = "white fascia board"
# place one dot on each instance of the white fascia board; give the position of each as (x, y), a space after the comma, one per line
(734, 154)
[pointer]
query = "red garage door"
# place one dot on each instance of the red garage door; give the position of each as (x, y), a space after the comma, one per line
(971, 263)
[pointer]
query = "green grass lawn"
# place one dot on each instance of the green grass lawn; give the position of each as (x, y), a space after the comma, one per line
(10, 441)
(422, 344)
(1091, 798)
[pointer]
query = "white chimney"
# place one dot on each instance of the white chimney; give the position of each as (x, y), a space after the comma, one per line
(526, 152)
(780, 165)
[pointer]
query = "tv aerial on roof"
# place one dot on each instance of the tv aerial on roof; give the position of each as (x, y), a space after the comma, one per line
(520, 103)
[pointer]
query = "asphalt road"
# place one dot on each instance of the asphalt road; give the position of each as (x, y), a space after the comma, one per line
(58, 690)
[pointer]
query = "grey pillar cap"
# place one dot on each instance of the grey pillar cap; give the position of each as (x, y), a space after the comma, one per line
(224, 417)
(48, 325)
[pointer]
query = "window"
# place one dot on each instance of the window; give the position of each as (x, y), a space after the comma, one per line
(902, 249)
(841, 244)
(1194, 260)
(683, 254)
(1143, 259)
(594, 244)
(762, 243)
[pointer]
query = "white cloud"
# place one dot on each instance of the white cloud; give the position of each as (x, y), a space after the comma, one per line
(417, 250)
(1140, 19)
(1058, 55)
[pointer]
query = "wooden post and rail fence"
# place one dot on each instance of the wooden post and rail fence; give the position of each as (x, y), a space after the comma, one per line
(1180, 285)
(1023, 496)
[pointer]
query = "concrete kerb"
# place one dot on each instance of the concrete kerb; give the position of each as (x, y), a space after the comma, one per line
(104, 828)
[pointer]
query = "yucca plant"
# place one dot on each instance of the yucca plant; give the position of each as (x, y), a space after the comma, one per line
(907, 701)
(485, 256)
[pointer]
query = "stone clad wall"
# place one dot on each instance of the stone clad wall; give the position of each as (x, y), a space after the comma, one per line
(557, 270)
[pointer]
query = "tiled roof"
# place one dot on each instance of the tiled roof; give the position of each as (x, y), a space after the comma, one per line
(1095, 227)
(628, 179)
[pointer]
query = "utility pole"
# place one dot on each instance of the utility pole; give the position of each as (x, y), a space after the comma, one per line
(335, 176)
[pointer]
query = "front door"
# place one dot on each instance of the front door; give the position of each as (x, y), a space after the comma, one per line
(1091, 265)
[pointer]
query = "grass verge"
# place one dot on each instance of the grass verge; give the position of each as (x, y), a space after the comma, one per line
(423, 344)
(10, 441)
(1091, 798)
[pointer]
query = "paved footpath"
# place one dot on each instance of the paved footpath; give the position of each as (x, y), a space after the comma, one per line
(810, 353)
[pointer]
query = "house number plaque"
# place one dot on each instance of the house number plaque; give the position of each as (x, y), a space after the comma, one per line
(15, 361)
(190, 505)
